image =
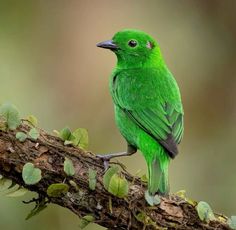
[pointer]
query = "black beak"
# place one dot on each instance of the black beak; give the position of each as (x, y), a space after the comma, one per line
(108, 45)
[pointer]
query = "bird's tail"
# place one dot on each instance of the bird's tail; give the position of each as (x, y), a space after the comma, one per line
(158, 180)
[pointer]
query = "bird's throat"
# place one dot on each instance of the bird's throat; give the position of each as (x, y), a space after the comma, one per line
(135, 61)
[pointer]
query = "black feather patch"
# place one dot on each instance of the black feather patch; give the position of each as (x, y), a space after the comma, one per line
(170, 145)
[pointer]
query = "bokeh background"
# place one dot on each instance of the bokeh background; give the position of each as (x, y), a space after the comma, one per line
(50, 67)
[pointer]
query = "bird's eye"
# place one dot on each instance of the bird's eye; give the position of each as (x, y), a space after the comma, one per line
(132, 43)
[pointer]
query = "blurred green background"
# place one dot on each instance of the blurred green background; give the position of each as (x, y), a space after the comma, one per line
(50, 67)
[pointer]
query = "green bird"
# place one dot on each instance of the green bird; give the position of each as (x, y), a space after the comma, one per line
(147, 103)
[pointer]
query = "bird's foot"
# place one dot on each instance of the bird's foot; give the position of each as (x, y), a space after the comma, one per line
(106, 159)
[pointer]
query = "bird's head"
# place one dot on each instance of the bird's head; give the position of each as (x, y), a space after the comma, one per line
(133, 48)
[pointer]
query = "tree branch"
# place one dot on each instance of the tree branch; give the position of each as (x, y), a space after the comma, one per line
(48, 154)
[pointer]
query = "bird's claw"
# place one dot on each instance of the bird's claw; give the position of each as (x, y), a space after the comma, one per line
(105, 159)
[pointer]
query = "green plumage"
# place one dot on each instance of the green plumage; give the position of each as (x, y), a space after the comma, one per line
(148, 108)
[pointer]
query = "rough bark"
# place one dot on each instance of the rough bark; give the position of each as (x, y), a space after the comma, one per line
(48, 154)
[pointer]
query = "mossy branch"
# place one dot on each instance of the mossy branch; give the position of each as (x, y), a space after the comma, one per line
(48, 154)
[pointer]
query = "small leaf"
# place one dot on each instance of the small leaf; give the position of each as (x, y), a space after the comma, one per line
(221, 219)
(232, 222)
(11, 115)
(80, 138)
(115, 184)
(20, 192)
(192, 202)
(34, 133)
(68, 167)
(57, 190)
(21, 136)
(66, 142)
(92, 179)
(35, 212)
(110, 204)
(181, 193)
(141, 216)
(40, 207)
(65, 134)
(30, 174)
(118, 186)
(5, 184)
(144, 178)
(73, 184)
(146, 220)
(32, 120)
(204, 211)
(152, 200)
(107, 176)
(84, 221)
(56, 132)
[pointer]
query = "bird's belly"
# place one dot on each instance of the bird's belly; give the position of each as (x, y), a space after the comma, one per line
(128, 128)
(137, 137)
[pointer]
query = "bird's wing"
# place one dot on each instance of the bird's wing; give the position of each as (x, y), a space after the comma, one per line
(162, 119)
(164, 126)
